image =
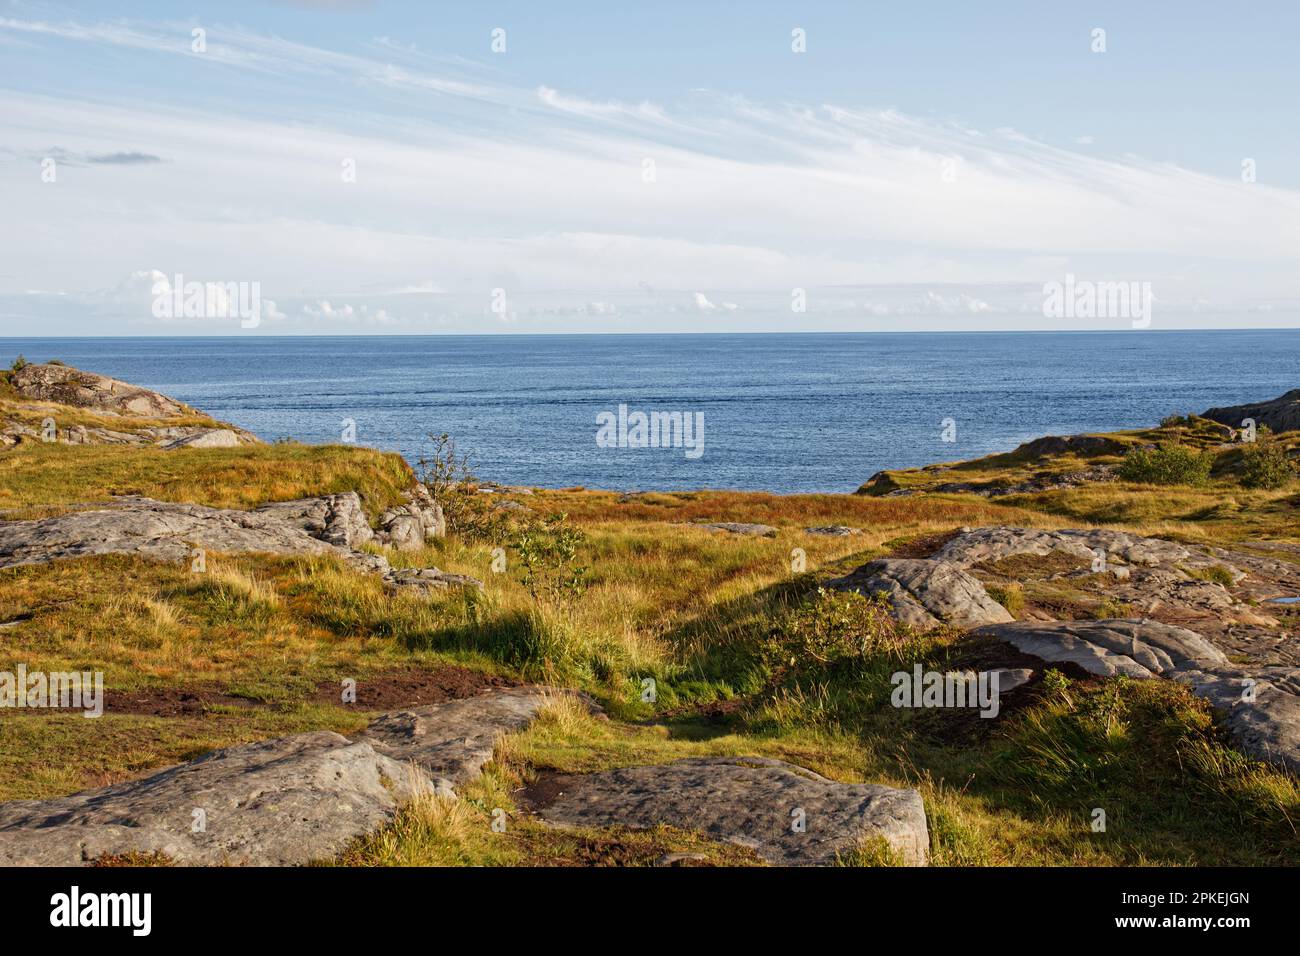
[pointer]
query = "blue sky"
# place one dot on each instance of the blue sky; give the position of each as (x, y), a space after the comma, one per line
(644, 167)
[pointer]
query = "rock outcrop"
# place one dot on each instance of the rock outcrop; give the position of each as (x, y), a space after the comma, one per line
(988, 545)
(1108, 648)
(1263, 714)
(40, 388)
(786, 814)
(1281, 414)
(924, 593)
(412, 526)
(166, 531)
(70, 386)
(279, 802)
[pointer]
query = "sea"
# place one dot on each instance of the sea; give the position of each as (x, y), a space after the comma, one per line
(776, 412)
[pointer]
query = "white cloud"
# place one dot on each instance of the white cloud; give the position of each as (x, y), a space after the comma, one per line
(464, 185)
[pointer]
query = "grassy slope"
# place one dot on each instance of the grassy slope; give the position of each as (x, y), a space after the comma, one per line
(709, 616)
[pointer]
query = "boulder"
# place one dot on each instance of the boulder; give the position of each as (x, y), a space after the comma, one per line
(985, 545)
(451, 742)
(1261, 709)
(749, 801)
(1281, 414)
(161, 530)
(924, 593)
(409, 527)
(833, 531)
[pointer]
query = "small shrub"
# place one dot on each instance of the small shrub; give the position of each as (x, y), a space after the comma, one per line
(1215, 574)
(839, 624)
(1168, 464)
(1264, 464)
(1172, 421)
(548, 555)
(453, 485)
(20, 363)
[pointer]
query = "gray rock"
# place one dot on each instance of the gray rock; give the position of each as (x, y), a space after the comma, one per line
(752, 802)
(1011, 678)
(452, 741)
(411, 526)
(274, 803)
(205, 438)
(1281, 414)
(1262, 715)
(156, 529)
(924, 593)
(833, 531)
(982, 545)
(1107, 648)
(279, 802)
(429, 579)
(1266, 726)
(740, 527)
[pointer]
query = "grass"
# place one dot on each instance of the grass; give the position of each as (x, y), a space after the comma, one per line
(744, 655)
(39, 479)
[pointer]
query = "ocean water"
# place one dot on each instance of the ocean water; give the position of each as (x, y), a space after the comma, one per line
(781, 412)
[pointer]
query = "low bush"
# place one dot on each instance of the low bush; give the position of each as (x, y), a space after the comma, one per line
(1168, 464)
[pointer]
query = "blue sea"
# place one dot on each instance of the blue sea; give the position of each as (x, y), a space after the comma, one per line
(781, 412)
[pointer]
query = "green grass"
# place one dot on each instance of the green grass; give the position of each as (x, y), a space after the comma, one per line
(747, 657)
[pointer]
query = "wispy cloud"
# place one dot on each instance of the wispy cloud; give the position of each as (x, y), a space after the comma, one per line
(415, 174)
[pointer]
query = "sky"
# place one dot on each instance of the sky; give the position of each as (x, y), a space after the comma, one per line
(382, 167)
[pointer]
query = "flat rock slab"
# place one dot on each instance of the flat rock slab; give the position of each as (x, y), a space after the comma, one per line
(923, 593)
(452, 741)
(274, 803)
(833, 531)
(740, 527)
(1109, 648)
(168, 531)
(993, 544)
(279, 802)
(748, 801)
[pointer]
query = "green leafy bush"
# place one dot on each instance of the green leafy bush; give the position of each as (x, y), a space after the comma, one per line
(548, 557)
(1264, 464)
(1167, 464)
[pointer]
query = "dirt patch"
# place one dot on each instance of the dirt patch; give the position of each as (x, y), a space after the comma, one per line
(410, 687)
(546, 787)
(923, 546)
(173, 701)
(386, 690)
